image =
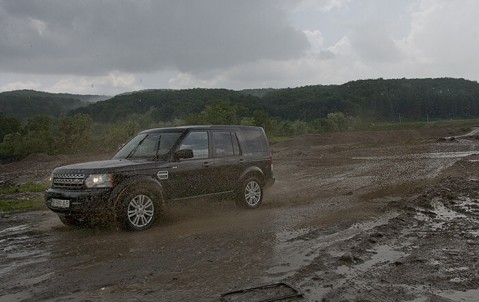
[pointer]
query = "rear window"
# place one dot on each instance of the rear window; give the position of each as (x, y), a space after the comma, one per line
(255, 140)
(225, 144)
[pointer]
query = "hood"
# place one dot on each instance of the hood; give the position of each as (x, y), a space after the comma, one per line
(107, 166)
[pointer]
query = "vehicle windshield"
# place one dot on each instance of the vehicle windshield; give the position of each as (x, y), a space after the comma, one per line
(149, 145)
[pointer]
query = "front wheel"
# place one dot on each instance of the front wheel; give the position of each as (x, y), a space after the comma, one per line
(140, 210)
(250, 194)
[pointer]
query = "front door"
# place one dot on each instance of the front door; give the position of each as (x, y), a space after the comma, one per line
(192, 176)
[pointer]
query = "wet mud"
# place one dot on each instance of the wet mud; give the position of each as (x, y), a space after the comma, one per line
(385, 216)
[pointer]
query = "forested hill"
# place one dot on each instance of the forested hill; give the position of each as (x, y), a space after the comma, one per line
(380, 100)
(24, 104)
(166, 105)
(413, 99)
(408, 99)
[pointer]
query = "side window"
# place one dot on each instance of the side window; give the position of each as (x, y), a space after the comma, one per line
(226, 144)
(256, 140)
(198, 142)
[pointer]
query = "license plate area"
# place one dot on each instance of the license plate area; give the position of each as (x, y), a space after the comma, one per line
(60, 203)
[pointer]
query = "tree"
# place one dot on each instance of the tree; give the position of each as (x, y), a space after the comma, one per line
(74, 134)
(339, 120)
(8, 125)
(217, 113)
(34, 137)
(119, 133)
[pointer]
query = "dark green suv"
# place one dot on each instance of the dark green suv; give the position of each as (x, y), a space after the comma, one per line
(160, 165)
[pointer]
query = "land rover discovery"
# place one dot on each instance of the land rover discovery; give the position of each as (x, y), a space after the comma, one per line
(162, 165)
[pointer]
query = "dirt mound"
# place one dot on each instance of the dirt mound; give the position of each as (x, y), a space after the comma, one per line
(38, 167)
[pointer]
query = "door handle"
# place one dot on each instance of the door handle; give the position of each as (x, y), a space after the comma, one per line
(206, 164)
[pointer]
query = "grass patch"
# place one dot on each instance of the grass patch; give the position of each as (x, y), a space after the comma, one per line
(30, 187)
(21, 205)
(22, 198)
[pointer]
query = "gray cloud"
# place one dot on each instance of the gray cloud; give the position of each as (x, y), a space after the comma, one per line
(374, 44)
(92, 37)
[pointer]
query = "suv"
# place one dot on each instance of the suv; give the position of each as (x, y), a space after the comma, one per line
(164, 164)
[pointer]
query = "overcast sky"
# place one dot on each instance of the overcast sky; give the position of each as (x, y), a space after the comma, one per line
(114, 46)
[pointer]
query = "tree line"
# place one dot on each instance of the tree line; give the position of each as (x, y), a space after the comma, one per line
(103, 126)
(81, 134)
(375, 100)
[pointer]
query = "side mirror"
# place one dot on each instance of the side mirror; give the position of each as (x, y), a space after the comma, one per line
(184, 154)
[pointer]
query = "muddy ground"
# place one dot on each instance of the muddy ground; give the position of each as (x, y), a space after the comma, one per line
(364, 216)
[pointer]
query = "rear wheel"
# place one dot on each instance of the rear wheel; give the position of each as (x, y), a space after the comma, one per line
(250, 194)
(140, 209)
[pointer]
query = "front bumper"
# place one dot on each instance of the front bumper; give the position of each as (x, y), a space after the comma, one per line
(81, 203)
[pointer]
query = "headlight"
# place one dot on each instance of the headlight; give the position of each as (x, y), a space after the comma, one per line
(98, 181)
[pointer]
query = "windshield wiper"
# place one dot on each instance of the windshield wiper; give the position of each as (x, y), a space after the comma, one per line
(136, 147)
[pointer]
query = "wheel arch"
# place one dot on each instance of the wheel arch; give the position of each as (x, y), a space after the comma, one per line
(136, 182)
(252, 171)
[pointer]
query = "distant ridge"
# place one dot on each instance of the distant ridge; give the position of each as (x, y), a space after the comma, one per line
(374, 99)
(26, 103)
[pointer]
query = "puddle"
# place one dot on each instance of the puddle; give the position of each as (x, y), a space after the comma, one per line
(292, 251)
(443, 214)
(21, 248)
(382, 254)
(433, 155)
(469, 295)
(13, 230)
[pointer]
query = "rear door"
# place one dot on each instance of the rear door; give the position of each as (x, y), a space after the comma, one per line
(228, 160)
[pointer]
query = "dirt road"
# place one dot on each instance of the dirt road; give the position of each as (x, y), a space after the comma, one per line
(364, 216)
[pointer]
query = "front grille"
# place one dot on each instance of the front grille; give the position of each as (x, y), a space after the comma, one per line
(68, 181)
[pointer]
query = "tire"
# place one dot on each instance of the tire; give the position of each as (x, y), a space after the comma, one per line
(72, 221)
(250, 194)
(139, 209)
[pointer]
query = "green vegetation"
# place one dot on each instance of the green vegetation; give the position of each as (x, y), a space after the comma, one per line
(29, 197)
(399, 100)
(21, 205)
(103, 126)
(29, 187)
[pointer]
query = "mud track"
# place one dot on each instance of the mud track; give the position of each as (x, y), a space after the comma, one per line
(364, 216)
